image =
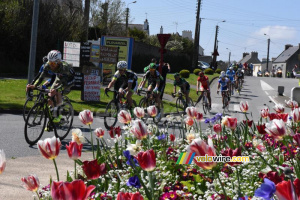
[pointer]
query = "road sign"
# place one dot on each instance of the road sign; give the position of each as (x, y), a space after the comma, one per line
(163, 39)
(72, 53)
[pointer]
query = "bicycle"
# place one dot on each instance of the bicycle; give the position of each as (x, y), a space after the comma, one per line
(29, 103)
(36, 120)
(240, 84)
(181, 103)
(149, 100)
(113, 108)
(205, 104)
(226, 100)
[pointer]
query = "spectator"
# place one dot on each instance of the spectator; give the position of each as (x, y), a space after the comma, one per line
(165, 70)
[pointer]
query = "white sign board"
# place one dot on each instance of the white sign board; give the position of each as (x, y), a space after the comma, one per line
(72, 53)
(91, 88)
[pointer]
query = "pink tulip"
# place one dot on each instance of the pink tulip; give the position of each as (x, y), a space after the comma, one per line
(31, 183)
(264, 113)
(74, 150)
(71, 190)
(99, 132)
(276, 128)
(217, 128)
(291, 104)
(147, 160)
(199, 116)
(244, 106)
(139, 129)
(229, 122)
(50, 147)
(189, 121)
(86, 117)
(152, 111)
(2, 161)
(129, 196)
(279, 108)
(296, 115)
(201, 149)
(191, 112)
(124, 117)
(139, 112)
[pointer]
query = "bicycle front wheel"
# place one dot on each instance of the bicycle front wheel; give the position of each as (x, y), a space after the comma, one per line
(35, 124)
(205, 105)
(63, 127)
(180, 106)
(111, 114)
(29, 103)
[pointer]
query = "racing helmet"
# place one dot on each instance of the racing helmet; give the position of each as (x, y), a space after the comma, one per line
(201, 74)
(54, 56)
(176, 74)
(122, 65)
(152, 66)
(222, 73)
(230, 68)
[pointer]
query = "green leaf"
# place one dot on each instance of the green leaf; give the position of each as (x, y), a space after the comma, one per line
(69, 178)
(198, 178)
(79, 162)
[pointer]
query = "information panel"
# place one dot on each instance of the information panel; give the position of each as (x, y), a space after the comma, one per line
(72, 53)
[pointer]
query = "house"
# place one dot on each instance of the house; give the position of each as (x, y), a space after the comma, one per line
(252, 58)
(287, 59)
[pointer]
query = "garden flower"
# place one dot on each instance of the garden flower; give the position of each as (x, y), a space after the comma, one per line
(129, 158)
(248, 122)
(244, 106)
(71, 190)
(283, 116)
(219, 116)
(161, 137)
(201, 149)
(74, 150)
(297, 138)
(264, 113)
(279, 108)
(139, 112)
(190, 137)
(284, 191)
(296, 115)
(50, 147)
(77, 136)
(169, 196)
(199, 116)
(31, 183)
(291, 104)
(99, 132)
(276, 128)
(191, 112)
(261, 129)
(189, 121)
(2, 161)
(273, 116)
(134, 149)
(129, 196)
(152, 111)
(172, 137)
(229, 122)
(93, 170)
(115, 131)
(266, 190)
(139, 129)
(258, 144)
(230, 152)
(217, 128)
(273, 176)
(134, 182)
(147, 160)
(124, 117)
(86, 117)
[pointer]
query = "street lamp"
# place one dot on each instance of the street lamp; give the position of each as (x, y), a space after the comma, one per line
(127, 13)
(229, 56)
(215, 54)
(268, 51)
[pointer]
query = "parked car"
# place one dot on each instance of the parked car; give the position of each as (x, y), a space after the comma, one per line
(203, 65)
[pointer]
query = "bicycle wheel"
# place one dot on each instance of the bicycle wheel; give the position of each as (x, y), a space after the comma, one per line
(29, 103)
(144, 104)
(180, 106)
(62, 128)
(205, 105)
(111, 115)
(35, 124)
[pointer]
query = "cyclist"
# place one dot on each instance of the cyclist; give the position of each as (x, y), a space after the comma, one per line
(184, 86)
(204, 82)
(128, 84)
(155, 83)
(239, 75)
(231, 74)
(64, 79)
(223, 83)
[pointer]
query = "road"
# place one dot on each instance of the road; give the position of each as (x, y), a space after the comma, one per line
(258, 91)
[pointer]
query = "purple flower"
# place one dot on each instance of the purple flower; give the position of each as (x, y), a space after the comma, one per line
(213, 120)
(127, 154)
(207, 121)
(161, 137)
(129, 157)
(134, 182)
(218, 116)
(266, 190)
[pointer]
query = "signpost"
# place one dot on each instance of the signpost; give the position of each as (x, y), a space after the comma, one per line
(72, 53)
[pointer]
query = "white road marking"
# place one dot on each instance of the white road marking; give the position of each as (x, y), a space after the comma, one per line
(267, 93)
(265, 86)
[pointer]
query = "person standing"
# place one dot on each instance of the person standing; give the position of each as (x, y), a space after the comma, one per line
(165, 70)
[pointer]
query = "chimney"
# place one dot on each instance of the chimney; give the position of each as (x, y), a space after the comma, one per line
(254, 54)
(245, 54)
(161, 30)
(287, 46)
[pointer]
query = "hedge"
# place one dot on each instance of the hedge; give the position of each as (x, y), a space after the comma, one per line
(184, 73)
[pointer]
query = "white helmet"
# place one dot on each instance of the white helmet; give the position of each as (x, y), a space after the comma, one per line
(54, 56)
(223, 73)
(230, 68)
(239, 69)
(122, 65)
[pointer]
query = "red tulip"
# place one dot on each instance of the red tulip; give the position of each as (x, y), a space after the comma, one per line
(74, 150)
(86, 117)
(217, 128)
(296, 115)
(71, 190)
(273, 176)
(276, 128)
(99, 132)
(147, 160)
(50, 147)
(279, 108)
(261, 129)
(31, 183)
(248, 122)
(152, 111)
(172, 137)
(229, 122)
(244, 106)
(139, 112)
(2, 161)
(284, 191)
(273, 116)
(139, 129)
(124, 117)
(129, 196)
(264, 113)
(297, 138)
(201, 149)
(283, 116)
(199, 116)
(191, 112)
(297, 186)
(189, 121)
(231, 153)
(115, 131)
(93, 170)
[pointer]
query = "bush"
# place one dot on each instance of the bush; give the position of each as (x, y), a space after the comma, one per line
(218, 71)
(209, 71)
(184, 73)
(196, 71)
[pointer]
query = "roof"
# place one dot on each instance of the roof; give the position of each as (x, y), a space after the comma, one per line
(285, 55)
(245, 59)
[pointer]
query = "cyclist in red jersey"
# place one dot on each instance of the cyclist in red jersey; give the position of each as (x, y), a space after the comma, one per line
(204, 82)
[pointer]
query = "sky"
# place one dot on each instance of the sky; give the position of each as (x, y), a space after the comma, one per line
(246, 22)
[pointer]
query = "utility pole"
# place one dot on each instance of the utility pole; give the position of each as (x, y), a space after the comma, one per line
(215, 48)
(86, 20)
(196, 38)
(105, 8)
(127, 13)
(268, 53)
(32, 55)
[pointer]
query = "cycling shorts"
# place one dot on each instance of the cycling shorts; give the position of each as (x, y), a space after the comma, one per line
(125, 85)
(223, 88)
(160, 88)
(187, 87)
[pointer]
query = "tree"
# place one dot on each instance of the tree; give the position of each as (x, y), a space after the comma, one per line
(138, 35)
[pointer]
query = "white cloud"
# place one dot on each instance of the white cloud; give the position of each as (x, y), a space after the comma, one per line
(277, 32)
